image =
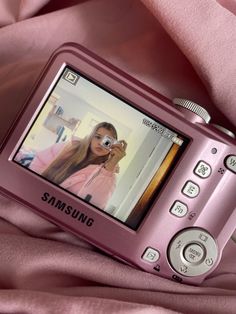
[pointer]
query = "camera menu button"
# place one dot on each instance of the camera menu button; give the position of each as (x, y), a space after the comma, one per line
(191, 189)
(194, 253)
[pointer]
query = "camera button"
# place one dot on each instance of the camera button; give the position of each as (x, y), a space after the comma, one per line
(194, 253)
(191, 189)
(202, 169)
(151, 255)
(179, 209)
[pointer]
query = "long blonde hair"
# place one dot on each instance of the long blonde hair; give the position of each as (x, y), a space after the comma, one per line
(76, 156)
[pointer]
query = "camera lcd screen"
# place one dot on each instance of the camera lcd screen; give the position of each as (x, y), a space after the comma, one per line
(98, 147)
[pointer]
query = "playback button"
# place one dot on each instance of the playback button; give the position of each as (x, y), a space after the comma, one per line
(151, 255)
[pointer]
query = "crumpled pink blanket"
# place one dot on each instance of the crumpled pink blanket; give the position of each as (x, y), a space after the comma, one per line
(180, 48)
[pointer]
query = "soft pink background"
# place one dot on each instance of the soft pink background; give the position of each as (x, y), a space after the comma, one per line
(180, 48)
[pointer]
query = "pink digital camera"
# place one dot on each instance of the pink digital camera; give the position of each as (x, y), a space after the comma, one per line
(162, 201)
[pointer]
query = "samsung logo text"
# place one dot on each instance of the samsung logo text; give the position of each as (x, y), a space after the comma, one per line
(67, 209)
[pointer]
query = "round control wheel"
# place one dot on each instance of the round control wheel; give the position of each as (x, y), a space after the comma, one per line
(192, 252)
(193, 107)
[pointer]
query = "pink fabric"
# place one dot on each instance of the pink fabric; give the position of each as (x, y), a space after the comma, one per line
(180, 48)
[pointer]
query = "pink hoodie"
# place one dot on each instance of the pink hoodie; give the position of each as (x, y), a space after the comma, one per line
(93, 182)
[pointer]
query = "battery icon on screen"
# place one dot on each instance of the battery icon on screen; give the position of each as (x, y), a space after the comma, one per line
(177, 140)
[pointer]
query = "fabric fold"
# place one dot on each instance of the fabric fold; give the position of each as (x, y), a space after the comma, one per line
(199, 29)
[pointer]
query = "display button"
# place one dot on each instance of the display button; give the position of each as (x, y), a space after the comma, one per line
(179, 209)
(203, 237)
(191, 189)
(151, 255)
(194, 253)
(230, 163)
(202, 169)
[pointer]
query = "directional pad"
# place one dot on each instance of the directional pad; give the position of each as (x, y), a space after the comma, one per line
(192, 252)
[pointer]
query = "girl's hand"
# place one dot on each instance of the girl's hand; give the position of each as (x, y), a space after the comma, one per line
(118, 151)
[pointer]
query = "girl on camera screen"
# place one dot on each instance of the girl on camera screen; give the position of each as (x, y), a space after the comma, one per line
(86, 167)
